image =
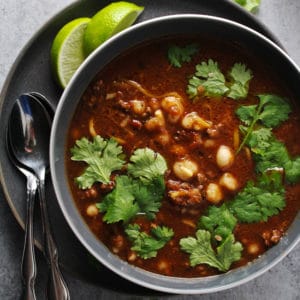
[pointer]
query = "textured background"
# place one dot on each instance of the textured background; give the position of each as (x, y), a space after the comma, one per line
(19, 20)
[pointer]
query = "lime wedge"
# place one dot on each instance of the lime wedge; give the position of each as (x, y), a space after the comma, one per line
(67, 50)
(108, 21)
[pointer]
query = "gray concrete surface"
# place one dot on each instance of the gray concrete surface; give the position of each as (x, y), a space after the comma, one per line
(19, 19)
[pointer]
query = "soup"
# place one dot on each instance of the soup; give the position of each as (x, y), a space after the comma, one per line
(183, 157)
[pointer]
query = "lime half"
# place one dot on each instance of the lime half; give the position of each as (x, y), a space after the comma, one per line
(67, 50)
(108, 21)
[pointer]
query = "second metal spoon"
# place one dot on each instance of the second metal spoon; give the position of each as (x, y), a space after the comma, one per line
(29, 134)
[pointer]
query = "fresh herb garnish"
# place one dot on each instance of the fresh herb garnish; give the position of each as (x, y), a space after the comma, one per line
(102, 157)
(146, 165)
(145, 245)
(292, 170)
(208, 80)
(272, 153)
(270, 112)
(130, 197)
(139, 192)
(120, 204)
(201, 251)
(250, 5)
(219, 221)
(267, 151)
(149, 196)
(260, 200)
(240, 77)
(179, 55)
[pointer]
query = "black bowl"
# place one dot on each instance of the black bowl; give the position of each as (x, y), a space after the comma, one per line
(147, 31)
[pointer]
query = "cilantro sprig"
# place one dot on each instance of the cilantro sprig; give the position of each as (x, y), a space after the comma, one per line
(209, 77)
(119, 205)
(102, 157)
(141, 191)
(240, 77)
(209, 80)
(201, 251)
(273, 154)
(131, 197)
(179, 55)
(145, 245)
(219, 221)
(268, 152)
(261, 199)
(146, 165)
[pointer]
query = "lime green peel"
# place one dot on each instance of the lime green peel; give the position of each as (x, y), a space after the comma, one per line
(110, 20)
(67, 50)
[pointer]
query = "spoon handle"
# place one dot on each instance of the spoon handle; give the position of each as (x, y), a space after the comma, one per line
(28, 259)
(57, 288)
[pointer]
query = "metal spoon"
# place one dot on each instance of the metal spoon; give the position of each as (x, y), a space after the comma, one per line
(29, 133)
(28, 266)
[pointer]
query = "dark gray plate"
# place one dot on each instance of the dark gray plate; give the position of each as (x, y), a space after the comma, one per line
(31, 72)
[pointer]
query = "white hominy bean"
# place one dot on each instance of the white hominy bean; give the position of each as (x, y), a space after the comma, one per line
(214, 193)
(185, 169)
(253, 248)
(92, 210)
(229, 181)
(224, 157)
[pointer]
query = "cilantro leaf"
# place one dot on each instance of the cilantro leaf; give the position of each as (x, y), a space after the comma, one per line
(271, 111)
(130, 197)
(260, 139)
(269, 153)
(201, 251)
(250, 5)
(210, 78)
(240, 77)
(275, 110)
(145, 245)
(119, 205)
(260, 200)
(139, 192)
(229, 252)
(210, 81)
(179, 55)
(149, 196)
(146, 165)
(273, 154)
(292, 170)
(102, 157)
(219, 221)
(247, 113)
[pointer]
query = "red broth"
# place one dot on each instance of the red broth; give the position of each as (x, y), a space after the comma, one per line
(119, 103)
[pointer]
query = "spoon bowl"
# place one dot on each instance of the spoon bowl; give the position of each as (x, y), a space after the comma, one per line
(30, 143)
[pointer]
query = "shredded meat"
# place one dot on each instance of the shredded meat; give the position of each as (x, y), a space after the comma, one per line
(183, 193)
(272, 237)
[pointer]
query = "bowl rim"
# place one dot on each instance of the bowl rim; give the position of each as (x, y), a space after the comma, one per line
(93, 245)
